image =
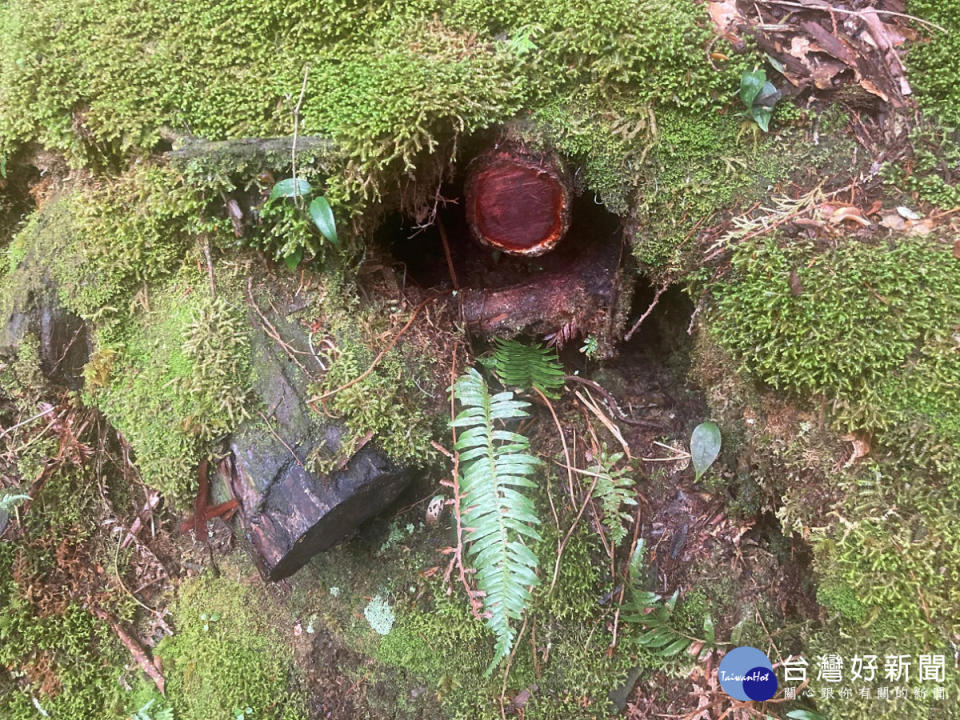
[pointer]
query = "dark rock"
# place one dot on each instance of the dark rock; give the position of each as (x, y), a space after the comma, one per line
(33, 307)
(292, 513)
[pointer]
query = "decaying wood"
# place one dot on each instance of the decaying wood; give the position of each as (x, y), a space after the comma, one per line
(579, 295)
(243, 152)
(517, 202)
(134, 648)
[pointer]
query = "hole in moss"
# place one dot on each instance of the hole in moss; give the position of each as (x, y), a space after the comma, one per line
(419, 250)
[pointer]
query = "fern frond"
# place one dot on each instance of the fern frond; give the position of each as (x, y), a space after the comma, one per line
(614, 489)
(528, 366)
(494, 468)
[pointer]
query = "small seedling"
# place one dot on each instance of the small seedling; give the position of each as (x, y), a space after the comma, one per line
(144, 712)
(590, 346)
(319, 210)
(207, 619)
(759, 96)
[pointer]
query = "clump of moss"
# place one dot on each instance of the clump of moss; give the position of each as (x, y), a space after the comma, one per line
(871, 331)
(897, 568)
(389, 82)
(394, 401)
(931, 64)
(225, 654)
(180, 379)
(863, 310)
(64, 657)
(439, 642)
(932, 174)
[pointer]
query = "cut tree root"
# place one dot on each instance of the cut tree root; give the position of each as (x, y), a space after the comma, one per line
(581, 295)
(518, 202)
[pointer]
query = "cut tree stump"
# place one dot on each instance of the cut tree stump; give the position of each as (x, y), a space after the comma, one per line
(517, 202)
(291, 512)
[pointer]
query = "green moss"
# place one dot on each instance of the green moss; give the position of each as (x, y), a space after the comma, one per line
(848, 642)
(901, 564)
(395, 401)
(703, 167)
(86, 661)
(931, 65)
(870, 331)
(389, 82)
(225, 654)
(179, 380)
(932, 173)
(71, 663)
(440, 643)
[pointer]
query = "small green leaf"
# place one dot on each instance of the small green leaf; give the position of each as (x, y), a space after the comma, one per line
(751, 83)
(289, 187)
(737, 632)
(636, 561)
(805, 715)
(657, 637)
(768, 97)
(672, 602)
(761, 116)
(294, 258)
(677, 646)
(709, 630)
(704, 447)
(322, 215)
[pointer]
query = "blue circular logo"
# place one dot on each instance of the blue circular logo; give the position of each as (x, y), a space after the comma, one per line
(745, 673)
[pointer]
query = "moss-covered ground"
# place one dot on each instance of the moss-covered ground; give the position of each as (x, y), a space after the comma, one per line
(826, 350)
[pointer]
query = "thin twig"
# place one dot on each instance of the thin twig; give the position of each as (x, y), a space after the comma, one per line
(135, 649)
(376, 361)
(206, 252)
(829, 8)
(611, 401)
(446, 252)
(563, 439)
(280, 439)
(272, 331)
(456, 559)
(607, 422)
(566, 539)
(513, 651)
(296, 127)
(656, 298)
(28, 421)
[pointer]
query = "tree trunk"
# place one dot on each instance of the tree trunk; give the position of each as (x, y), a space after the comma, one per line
(517, 202)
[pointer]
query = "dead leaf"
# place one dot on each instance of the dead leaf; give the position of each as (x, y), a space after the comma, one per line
(920, 227)
(725, 16)
(846, 212)
(956, 249)
(796, 288)
(861, 446)
(907, 213)
(893, 221)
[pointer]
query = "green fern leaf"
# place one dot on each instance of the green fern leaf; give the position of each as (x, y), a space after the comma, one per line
(494, 468)
(614, 489)
(528, 366)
